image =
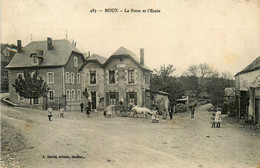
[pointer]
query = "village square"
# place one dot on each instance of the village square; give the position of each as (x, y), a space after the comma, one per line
(92, 111)
(130, 84)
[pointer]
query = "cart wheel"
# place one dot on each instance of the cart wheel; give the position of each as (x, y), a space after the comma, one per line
(125, 113)
(118, 112)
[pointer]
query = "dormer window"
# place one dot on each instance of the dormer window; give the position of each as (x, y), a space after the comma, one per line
(35, 60)
(76, 62)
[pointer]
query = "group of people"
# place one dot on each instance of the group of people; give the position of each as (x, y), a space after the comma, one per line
(215, 119)
(50, 113)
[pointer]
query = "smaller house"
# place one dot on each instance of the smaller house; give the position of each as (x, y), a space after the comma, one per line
(230, 93)
(248, 89)
(6, 55)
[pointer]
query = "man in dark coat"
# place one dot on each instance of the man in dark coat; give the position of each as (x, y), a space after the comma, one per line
(81, 107)
(88, 109)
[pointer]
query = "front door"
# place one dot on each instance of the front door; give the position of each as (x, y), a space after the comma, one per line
(94, 100)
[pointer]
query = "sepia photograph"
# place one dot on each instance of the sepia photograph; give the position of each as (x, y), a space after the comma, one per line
(130, 84)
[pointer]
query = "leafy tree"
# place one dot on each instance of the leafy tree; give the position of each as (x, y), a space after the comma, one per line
(164, 80)
(32, 86)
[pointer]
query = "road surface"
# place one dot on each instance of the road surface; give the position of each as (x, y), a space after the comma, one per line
(28, 139)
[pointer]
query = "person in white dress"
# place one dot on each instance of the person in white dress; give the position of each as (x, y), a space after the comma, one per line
(218, 118)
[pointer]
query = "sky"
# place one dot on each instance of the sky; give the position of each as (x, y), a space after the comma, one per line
(222, 33)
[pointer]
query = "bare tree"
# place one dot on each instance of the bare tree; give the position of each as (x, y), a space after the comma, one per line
(197, 78)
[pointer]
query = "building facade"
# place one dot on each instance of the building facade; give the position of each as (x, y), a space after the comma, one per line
(121, 77)
(248, 90)
(6, 55)
(57, 62)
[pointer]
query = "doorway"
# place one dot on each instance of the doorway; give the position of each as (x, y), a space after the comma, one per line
(94, 99)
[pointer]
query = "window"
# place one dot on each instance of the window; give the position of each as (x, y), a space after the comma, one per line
(78, 78)
(68, 95)
(35, 59)
(112, 98)
(79, 94)
(72, 94)
(112, 77)
(131, 97)
(20, 75)
(35, 101)
(72, 78)
(131, 76)
(50, 77)
(75, 62)
(93, 77)
(67, 76)
(51, 95)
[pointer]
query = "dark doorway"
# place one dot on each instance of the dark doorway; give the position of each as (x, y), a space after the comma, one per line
(257, 110)
(94, 99)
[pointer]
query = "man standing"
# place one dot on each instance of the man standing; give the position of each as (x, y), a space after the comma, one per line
(81, 107)
(170, 113)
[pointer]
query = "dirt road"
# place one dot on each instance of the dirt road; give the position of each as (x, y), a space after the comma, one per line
(28, 139)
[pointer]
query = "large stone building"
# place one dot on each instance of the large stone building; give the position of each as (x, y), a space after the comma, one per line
(57, 61)
(121, 77)
(248, 90)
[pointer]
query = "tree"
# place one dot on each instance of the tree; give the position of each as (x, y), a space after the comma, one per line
(197, 77)
(31, 86)
(164, 80)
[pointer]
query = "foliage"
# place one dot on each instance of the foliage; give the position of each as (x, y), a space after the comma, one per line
(31, 85)
(197, 77)
(164, 80)
(202, 78)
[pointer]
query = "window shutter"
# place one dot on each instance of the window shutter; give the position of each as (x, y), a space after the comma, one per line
(117, 98)
(127, 98)
(107, 98)
(135, 96)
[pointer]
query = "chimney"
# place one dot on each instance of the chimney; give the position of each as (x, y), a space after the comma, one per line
(88, 53)
(19, 46)
(49, 43)
(142, 56)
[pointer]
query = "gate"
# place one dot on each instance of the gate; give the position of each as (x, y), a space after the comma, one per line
(56, 103)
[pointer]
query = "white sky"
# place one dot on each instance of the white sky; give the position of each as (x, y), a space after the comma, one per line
(222, 33)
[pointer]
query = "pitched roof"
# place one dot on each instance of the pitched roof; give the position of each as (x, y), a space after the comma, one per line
(11, 49)
(57, 56)
(230, 92)
(99, 58)
(123, 51)
(255, 65)
(96, 58)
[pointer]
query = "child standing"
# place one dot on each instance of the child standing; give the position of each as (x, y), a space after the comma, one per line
(157, 117)
(49, 113)
(62, 112)
(212, 120)
(218, 118)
